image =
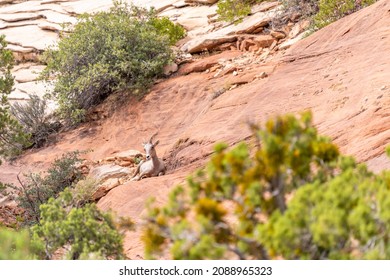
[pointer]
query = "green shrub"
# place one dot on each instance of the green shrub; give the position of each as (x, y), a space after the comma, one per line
(292, 197)
(15, 245)
(12, 138)
(3, 188)
(321, 12)
(164, 26)
(38, 189)
(83, 191)
(81, 232)
(230, 10)
(304, 8)
(241, 186)
(124, 48)
(332, 10)
(344, 218)
(234, 10)
(35, 120)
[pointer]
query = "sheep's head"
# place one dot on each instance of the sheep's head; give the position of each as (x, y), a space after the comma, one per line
(149, 148)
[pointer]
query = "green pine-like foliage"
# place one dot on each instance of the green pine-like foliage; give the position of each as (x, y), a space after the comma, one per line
(12, 137)
(121, 49)
(15, 245)
(290, 195)
(81, 232)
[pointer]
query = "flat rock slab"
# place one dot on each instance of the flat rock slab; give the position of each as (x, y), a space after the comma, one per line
(108, 171)
(30, 7)
(103, 189)
(19, 49)
(190, 17)
(50, 26)
(229, 33)
(57, 17)
(84, 6)
(19, 17)
(18, 95)
(4, 24)
(30, 36)
(27, 73)
(251, 23)
(23, 89)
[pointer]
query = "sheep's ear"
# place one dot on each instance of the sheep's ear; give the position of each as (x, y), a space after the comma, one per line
(155, 144)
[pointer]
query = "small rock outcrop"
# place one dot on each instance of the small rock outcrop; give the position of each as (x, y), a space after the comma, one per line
(32, 26)
(112, 171)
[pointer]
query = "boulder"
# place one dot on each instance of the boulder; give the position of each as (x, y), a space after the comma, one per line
(229, 33)
(207, 43)
(264, 41)
(262, 75)
(104, 188)
(198, 66)
(192, 18)
(108, 171)
(252, 23)
(278, 34)
(170, 69)
(114, 174)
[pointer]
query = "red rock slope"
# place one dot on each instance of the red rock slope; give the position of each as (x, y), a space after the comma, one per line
(341, 73)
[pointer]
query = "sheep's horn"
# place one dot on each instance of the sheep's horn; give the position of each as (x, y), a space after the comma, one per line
(151, 138)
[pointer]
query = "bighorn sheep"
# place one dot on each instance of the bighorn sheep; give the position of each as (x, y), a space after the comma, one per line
(152, 166)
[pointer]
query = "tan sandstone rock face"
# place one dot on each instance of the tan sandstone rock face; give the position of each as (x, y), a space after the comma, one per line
(32, 26)
(108, 171)
(112, 171)
(251, 25)
(339, 73)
